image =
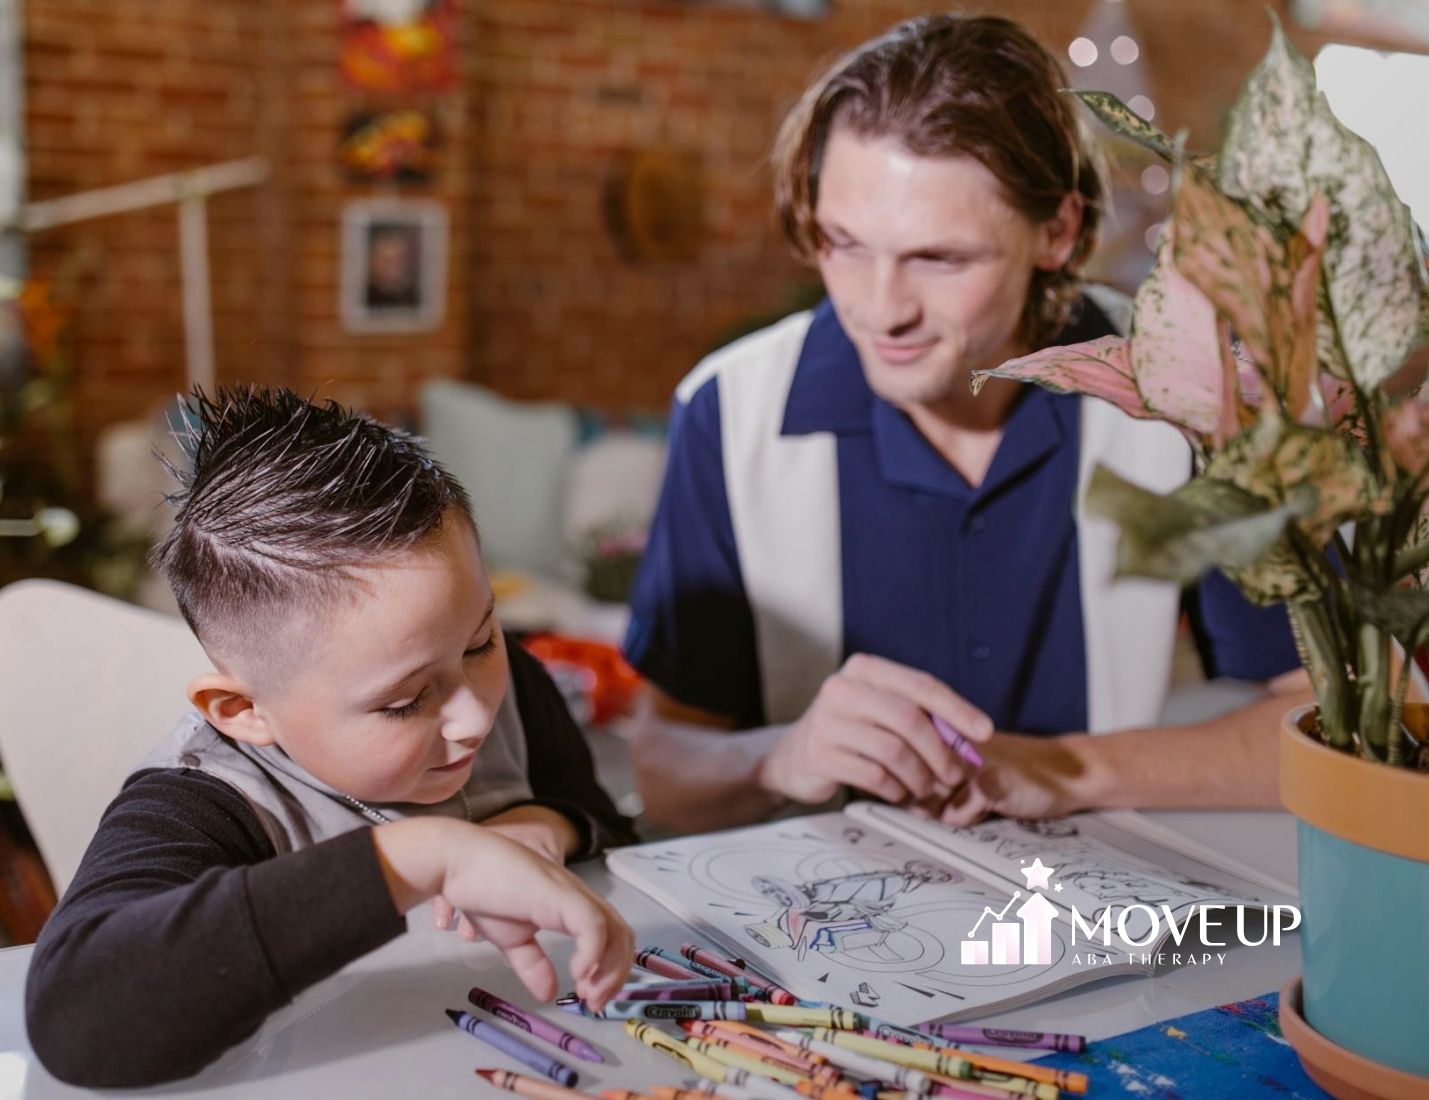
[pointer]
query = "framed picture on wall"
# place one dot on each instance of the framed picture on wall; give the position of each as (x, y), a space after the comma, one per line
(394, 256)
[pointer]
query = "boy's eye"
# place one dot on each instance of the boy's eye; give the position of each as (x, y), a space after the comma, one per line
(406, 709)
(485, 647)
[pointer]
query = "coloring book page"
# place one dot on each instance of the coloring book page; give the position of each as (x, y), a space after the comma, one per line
(835, 911)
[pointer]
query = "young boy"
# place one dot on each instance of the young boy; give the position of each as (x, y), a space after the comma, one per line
(357, 724)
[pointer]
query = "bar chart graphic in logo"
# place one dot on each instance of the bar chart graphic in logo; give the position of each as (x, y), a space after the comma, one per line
(1027, 940)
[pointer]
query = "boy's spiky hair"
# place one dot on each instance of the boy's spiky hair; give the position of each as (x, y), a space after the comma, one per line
(284, 496)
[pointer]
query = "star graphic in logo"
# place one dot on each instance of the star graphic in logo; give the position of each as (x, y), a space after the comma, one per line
(1058, 888)
(1038, 874)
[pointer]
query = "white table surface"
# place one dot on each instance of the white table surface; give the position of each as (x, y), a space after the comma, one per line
(377, 1028)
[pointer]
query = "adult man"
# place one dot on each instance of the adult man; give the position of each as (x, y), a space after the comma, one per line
(849, 542)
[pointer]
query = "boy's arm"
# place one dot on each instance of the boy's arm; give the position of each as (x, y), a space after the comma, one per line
(182, 931)
(559, 764)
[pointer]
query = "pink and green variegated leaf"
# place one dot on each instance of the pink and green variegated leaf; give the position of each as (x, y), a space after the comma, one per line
(1121, 119)
(1097, 368)
(1230, 257)
(1262, 159)
(1293, 316)
(1406, 434)
(1279, 461)
(1175, 349)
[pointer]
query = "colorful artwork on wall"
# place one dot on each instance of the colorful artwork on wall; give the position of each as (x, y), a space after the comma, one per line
(400, 145)
(399, 46)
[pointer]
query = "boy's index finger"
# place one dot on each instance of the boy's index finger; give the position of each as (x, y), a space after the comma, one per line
(927, 691)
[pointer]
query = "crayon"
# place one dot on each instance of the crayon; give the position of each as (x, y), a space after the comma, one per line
(656, 1039)
(666, 965)
(803, 1016)
(762, 1037)
(662, 1010)
(985, 1066)
(863, 1065)
(757, 1089)
(907, 1036)
(622, 1094)
(703, 990)
(948, 1063)
(956, 741)
(750, 1063)
(513, 1047)
(537, 1026)
(702, 1091)
(712, 1032)
(778, 994)
(998, 1085)
(1006, 1037)
(532, 1087)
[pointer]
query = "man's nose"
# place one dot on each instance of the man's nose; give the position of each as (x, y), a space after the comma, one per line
(892, 306)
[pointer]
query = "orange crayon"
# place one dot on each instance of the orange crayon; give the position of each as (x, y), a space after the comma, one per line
(621, 1094)
(743, 1044)
(531, 1087)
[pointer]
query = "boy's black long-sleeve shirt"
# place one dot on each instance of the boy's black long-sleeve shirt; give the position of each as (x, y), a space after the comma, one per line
(183, 929)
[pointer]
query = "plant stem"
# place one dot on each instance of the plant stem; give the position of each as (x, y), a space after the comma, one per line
(1314, 637)
(1373, 689)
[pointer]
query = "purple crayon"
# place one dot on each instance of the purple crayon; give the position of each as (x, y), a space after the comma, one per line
(1004, 1037)
(515, 1048)
(680, 991)
(533, 1024)
(956, 741)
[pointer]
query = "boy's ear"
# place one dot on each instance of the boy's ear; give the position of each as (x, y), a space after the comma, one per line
(1059, 235)
(228, 707)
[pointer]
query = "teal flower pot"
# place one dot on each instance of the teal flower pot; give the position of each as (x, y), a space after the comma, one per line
(1364, 900)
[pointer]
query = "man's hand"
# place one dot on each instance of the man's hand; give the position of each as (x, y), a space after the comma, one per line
(869, 728)
(507, 894)
(546, 832)
(1022, 777)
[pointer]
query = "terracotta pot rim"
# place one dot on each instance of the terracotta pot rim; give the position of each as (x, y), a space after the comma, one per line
(1338, 1071)
(1356, 800)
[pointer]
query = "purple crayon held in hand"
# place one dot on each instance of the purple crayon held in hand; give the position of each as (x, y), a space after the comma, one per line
(513, 1047)
(956, 741)
(533, 1024)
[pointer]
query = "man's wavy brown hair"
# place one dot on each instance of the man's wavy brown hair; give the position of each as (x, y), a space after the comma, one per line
(950, 86)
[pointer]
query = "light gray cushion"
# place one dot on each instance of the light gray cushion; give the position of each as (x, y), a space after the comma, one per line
(513, 458)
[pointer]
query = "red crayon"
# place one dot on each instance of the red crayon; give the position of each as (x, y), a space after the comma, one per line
(658, 962)
(777, 993)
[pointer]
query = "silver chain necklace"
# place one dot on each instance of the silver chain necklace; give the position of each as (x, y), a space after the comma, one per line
(382, 819)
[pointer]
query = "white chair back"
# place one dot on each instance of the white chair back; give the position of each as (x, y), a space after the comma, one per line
(88, 685)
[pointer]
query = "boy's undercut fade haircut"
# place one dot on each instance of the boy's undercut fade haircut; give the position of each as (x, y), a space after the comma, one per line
(949, 86)
(284, 497)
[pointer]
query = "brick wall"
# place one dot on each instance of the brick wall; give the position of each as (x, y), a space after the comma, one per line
(540, 302)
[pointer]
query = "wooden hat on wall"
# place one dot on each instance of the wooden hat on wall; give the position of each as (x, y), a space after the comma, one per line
(654, 204)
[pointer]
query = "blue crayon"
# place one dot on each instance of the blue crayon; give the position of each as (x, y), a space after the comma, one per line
(662, 1010)
(515, 1048)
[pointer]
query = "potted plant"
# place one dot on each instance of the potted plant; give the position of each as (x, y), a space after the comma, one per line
(1289, 288)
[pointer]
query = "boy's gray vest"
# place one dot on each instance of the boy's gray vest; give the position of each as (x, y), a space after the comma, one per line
(298, 810)
(784, 502)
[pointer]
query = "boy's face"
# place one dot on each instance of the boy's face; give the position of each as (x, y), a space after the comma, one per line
(400, 680)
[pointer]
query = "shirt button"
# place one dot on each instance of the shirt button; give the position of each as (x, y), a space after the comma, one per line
(189, 760)
(978, 523)
(979, 651)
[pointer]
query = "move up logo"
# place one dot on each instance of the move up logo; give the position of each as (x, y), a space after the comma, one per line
(1023, 934)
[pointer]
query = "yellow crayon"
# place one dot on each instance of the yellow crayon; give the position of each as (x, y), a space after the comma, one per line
(744, 1044)
(944, 1062)
(799, 1016)
(653, 1037)
(999, 1085)
(750, 1063)
(758, 1035)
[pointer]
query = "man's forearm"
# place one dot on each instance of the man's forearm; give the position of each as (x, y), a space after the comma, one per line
(1229, 762)
(694, 778)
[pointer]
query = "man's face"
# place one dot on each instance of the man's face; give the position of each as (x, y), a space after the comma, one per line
(926, 263)
(401, 679)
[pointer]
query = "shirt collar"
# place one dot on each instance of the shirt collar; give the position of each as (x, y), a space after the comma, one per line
(829, 393)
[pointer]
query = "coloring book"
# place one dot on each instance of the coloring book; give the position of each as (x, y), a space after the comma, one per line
(912, 921)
